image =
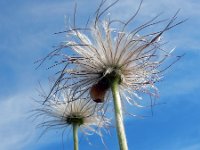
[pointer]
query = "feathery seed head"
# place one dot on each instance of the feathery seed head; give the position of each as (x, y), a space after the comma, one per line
(64, 112)
(103, 53)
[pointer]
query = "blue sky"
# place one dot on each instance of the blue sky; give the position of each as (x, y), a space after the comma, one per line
(26, 33)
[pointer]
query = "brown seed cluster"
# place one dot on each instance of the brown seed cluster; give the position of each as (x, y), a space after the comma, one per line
(98, 91)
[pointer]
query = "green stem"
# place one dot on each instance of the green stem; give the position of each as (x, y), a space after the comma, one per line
(118, 115)
(75, 135)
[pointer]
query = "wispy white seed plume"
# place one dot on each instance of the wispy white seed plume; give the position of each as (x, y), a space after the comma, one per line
(106, 48)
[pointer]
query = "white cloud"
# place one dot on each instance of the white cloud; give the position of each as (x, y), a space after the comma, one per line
(192, 147)
(189, 8)
(181, 86)
(15, 127)
(184, 36)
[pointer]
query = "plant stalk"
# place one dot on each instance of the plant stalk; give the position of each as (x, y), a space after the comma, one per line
(75, 135)
(118, 115)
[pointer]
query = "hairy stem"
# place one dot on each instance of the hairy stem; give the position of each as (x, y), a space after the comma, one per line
(118, 115)
(75, 135)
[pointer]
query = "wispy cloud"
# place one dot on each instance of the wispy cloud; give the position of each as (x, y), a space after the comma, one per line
(192, 147)
(184, 36)
(15, 128)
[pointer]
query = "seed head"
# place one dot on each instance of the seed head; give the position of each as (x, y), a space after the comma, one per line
(105, 50)
(63, 112)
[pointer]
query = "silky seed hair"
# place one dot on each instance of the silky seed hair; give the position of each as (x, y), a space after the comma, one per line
(61, 113)
(105, 48)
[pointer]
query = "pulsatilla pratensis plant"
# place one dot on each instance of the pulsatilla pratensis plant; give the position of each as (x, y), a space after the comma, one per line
(109, 59)
(64, 112)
